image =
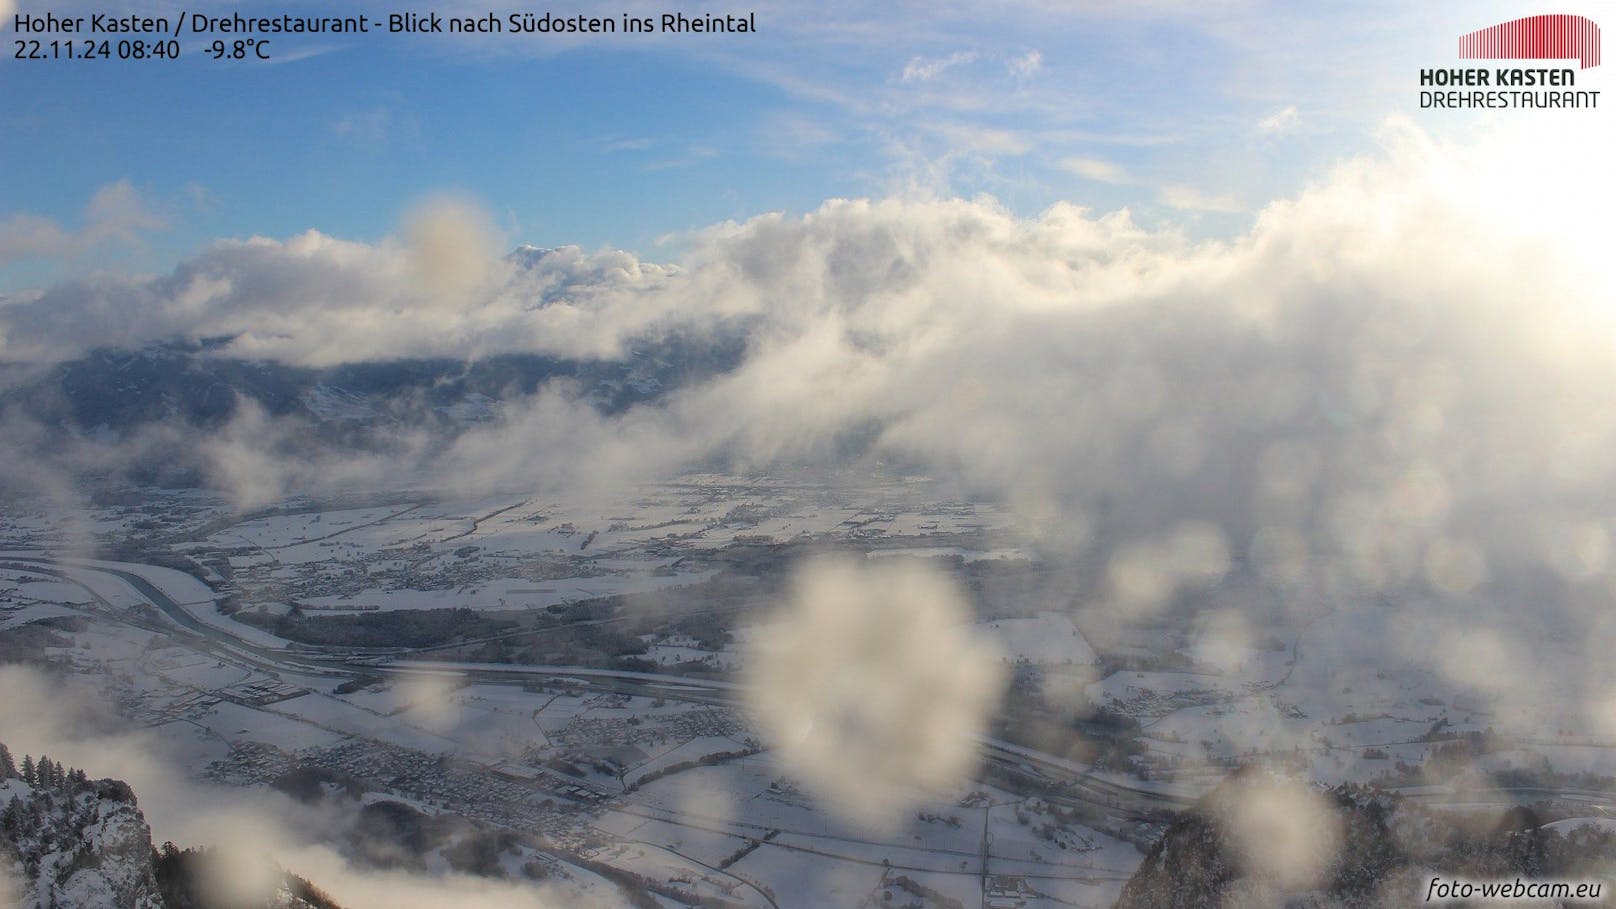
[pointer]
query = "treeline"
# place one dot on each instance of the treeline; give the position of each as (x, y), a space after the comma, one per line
(1386, 850)
(28, 643)
(395, 628)
(180, 875)
(45, 774)
(706, 760)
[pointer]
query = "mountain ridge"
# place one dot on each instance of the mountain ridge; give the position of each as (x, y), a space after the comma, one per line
(70, 842)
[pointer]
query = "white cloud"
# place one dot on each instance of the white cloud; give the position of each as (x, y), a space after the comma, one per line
(389, 123)
(1188, 198)
(796, 136)
(925, 69)
(118, 211)
(367, 126)
(117, 214)
(314, 299)
(1025, 66)
(453, 249)
(1096, 169)
(25, 236)
(1284, 834)
(638, 143)
(1280, 122)
(871, 688)
(966, 137)
(304, 53)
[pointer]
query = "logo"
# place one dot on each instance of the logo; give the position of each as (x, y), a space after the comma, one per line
(1535, 38)
(1556, 37)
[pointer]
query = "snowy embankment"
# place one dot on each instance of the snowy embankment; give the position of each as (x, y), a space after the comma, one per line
(193, 597)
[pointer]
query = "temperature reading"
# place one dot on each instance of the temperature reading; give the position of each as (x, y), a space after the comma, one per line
(239, 50)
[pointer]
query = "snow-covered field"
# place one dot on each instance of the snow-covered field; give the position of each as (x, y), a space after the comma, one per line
(674, 779)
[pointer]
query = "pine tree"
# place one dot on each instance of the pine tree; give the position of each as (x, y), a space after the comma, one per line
(28, 770)
(46, 772)
(8, 767)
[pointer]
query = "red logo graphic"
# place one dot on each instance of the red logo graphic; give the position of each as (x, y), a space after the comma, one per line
(1557, 37)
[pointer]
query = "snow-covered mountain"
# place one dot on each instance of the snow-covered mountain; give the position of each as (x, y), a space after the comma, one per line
(70, 842)
(1262, 840)
(118, 391)
(81, 844)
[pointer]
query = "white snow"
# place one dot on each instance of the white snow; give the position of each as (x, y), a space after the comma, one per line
(1048, 638)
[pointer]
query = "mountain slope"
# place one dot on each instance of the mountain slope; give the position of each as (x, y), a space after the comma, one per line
(1260, 841)
(69, 842)
(194, 384)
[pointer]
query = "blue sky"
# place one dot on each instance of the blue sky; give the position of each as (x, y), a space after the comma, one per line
(1189, 113)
